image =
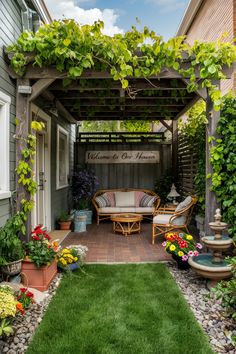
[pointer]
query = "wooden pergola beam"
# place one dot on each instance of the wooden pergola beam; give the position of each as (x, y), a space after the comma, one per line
(166, 125)
(59, 106)
(34, 72)
(187, 107)
(40, 86)
(120, 99)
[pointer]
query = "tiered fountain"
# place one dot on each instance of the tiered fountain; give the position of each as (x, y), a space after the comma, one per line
(213, 265)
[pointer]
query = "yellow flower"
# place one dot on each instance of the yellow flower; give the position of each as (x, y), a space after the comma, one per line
(180, 254)
(66, 250)
(172, 247)
(189, 237)
(76, 259)
(70, 261)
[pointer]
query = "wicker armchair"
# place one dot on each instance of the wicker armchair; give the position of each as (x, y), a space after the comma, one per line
(166, 219)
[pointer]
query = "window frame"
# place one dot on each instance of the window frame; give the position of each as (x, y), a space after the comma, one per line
(5, 102)
(66, 133)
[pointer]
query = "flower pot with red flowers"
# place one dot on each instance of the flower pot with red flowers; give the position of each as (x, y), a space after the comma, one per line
(181, 246)
(39, 267)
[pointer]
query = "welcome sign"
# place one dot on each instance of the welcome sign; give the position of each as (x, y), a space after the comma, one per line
(109, 157)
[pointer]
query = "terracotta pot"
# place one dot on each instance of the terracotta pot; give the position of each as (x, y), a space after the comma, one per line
(38, 278)
(65, 225)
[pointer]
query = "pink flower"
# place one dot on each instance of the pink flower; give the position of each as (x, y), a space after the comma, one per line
(195, 253)
(164, 244)
(185, 258)
(190, 253)
(198, 245)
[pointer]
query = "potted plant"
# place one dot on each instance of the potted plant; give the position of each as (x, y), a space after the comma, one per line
(11, 248)
(181, 246)
(39, 267)
(64, 221)
(71, 257)
(84, 185)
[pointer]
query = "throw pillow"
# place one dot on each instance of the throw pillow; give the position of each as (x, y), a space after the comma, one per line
(102, 201)
(148, 200)
(138, 197)
(111, 197)
(184, 204)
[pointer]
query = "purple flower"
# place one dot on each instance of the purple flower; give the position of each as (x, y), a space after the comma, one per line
(164, 244)
(198, 245)
(190, 253)
(185, 258)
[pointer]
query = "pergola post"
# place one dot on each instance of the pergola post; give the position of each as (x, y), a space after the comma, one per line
(175, 149)
(210, 197)
(22, 130)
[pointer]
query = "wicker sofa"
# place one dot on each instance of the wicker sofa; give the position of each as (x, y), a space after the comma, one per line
(115, 201)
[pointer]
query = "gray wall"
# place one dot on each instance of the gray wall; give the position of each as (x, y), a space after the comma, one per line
(126, 175)
(10, 29)
(60, 199)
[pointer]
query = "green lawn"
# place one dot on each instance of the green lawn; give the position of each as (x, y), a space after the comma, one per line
(119, 309)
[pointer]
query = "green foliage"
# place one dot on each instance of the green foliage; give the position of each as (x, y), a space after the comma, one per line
(163, 185)
(11, 248)
(226, 291)
(223, 159)
(137, 126)
(193, 129)
(64, 216)
(73, 48)
(5, 328)
(40, 250)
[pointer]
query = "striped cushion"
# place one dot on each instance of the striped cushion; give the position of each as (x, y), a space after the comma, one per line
(111, 197)
(147, 200)
(138, 197)
(103, 201)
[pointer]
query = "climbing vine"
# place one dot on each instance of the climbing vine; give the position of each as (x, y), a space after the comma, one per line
(223, 159)
(72, 48)
(24, 168)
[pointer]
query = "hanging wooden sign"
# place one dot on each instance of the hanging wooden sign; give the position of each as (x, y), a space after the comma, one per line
(108, 157)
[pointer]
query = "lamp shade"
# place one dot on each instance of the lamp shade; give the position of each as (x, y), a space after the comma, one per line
(173, 193)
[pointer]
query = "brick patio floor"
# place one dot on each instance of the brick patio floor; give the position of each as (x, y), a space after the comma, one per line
(106, 247)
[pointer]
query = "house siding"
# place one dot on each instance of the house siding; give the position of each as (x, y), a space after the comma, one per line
(213, 19)
(10, 29)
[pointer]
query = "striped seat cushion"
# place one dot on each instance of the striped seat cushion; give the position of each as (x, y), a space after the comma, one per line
(147, 200)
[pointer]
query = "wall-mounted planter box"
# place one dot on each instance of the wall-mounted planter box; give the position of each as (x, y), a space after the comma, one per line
(38, 278)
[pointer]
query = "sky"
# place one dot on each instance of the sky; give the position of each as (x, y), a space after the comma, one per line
(162, 16)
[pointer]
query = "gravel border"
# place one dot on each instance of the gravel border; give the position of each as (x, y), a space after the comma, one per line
(25, 326)
(209, 313)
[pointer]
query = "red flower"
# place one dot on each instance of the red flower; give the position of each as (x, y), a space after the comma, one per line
(36, 238)
(47, 237)
(29, 294)
(23, 290)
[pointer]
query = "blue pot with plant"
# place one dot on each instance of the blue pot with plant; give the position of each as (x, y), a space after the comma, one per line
(84, 185)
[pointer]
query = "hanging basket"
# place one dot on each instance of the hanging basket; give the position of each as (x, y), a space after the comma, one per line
(12, 268)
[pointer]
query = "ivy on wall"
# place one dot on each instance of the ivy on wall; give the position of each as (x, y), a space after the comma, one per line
(73, 48)
(223, 159)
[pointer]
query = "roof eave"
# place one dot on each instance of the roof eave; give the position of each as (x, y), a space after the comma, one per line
(190, 13)
(42, 10)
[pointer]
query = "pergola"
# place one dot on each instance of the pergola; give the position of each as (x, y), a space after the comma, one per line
(96, 96)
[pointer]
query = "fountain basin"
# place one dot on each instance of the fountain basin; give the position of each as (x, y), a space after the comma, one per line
(202, 264)
(221, 244)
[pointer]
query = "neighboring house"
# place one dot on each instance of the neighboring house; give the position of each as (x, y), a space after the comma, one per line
(55, 145)
(207, 20)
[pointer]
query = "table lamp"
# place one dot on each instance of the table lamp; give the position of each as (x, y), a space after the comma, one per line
(173, 194)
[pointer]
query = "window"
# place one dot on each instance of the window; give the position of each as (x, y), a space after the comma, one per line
(62, 157)
(4, 145)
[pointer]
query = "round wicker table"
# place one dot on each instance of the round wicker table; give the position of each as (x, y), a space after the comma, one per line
(126, 223)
